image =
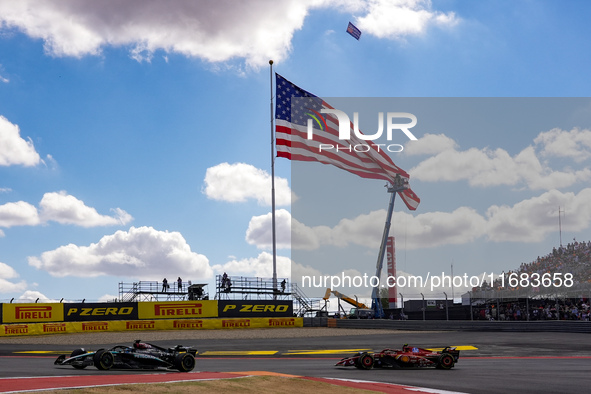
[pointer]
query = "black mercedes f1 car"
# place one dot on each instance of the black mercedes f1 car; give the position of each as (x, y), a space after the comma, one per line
(140, 355)
(407, 357)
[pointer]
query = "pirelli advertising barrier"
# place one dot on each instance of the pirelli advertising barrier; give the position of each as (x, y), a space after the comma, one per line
(236, 308)
(52, 318)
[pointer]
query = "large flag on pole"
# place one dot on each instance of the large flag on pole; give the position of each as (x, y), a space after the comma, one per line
(293, 110)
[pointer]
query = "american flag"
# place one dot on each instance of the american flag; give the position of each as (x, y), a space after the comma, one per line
(295, 107)
(354, 31)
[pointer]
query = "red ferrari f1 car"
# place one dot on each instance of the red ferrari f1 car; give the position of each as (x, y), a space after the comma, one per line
(408, 357)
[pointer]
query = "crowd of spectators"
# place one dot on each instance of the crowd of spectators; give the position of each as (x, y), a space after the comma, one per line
(573, 259)
(546, 309)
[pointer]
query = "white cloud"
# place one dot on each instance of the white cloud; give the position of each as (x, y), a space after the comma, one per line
(430, 144)
(18, 213)
(290, 233)
(6, 286)
(260, 266)
(140, 253)
(239, 182)
(58, 207)
(67, 209)
(574, 144)
(398, 18)
(529, 220)
(260, 230)
(5, 80)
(13, 149)
(32, 296)
(432, 229)
(487, 167)
(424, 230)
(216, 31)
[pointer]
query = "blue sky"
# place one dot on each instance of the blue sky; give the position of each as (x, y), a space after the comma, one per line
(135, 138)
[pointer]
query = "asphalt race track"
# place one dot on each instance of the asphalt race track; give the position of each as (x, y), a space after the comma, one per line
(501, 362)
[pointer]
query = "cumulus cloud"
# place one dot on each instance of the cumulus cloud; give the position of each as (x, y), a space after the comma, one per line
(32, 296)
(395, 19)
(58, 207)
(141, 253)
(430, 144)
(260, 266)
(216, 31)
(18, 213)
(496, 167)
(67, 209)
(428, 229)
(290, 233)
(433, 228)
(15, 150)
(6, 286)
(530, 220)
(260, 230)
(574, 144)
(240, 182)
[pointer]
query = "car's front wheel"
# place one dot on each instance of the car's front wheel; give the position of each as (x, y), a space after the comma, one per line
(366, 361)
(103, 360)
(184, 362)
(75, 353)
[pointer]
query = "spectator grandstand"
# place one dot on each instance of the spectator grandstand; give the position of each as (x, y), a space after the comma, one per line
(556, 286)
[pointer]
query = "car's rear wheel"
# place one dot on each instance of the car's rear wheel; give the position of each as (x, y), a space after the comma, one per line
(184, 362)
(446, 361)
(75, 353)
(103, 360)
(366, 361)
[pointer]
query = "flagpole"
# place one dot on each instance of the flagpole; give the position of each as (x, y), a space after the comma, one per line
(273, 185)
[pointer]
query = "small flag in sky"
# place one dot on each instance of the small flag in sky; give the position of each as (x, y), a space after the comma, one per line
(354, 31)
(294, 106)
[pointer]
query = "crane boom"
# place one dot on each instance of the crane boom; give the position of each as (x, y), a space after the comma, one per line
(349, 300)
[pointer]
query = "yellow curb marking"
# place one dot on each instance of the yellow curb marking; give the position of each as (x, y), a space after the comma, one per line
(43, 352)
(240, 353)
(324, 351)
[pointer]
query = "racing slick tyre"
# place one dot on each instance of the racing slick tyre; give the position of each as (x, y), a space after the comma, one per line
(103, 360)
(366, 361)
(357, 363)
(75, 353)
(446, 361)
(184, 362)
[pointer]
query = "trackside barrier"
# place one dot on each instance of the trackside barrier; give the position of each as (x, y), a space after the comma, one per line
(194, 309)
(25, 329)
(435, 325)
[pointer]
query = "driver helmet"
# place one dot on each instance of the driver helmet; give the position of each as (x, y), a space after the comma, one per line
(141, 345)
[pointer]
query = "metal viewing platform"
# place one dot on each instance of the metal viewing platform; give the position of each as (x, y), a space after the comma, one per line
(158, 291)
(255, 288)
(251, 288)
